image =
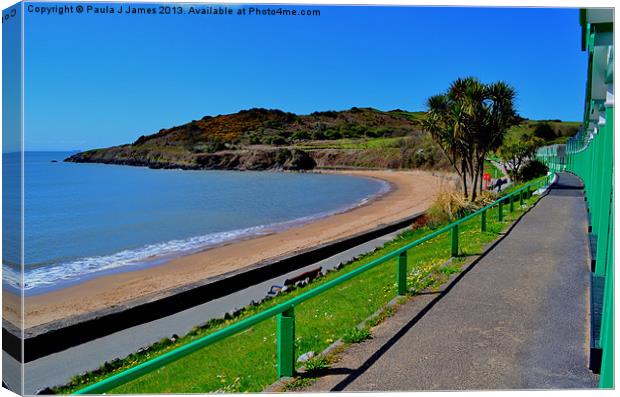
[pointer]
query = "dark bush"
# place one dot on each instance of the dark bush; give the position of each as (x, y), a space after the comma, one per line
(209, 147)
(420, 222)
(544, 131)
(277, 140)
(329, 113)
(141, 140)
(301, 135)
(532, 169)
(377, 132)
(317, 135)
(332, 134)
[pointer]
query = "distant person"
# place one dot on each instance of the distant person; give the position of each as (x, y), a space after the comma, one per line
(498, 184)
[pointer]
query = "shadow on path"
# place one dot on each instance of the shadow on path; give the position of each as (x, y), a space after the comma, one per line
(516, 317)
(355, 373)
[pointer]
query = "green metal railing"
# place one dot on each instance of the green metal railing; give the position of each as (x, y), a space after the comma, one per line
(592, 161)
(589, 155)
(285, 311)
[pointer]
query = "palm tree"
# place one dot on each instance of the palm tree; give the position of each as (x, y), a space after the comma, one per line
(443, 122)
(467, 122)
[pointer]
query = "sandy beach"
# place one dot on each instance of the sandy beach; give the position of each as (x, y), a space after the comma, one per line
(411, 192)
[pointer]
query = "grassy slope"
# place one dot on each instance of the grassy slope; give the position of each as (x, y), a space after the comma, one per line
(349, 143)
(247, 361)
(412, 152)
(563, 129)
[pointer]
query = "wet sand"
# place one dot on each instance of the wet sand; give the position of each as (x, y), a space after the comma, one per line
(411, 192)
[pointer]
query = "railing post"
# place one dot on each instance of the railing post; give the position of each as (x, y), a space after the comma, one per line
(401, 273)
(500, 212)
(512, 203)
(521, 198)
(286, 343)
(455, 240)
(483, 221)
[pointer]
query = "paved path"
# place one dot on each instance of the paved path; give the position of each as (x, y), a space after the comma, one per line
(58, 368)
(516, 319)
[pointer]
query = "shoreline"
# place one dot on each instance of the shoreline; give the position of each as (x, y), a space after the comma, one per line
(166, 257)
(410, 192)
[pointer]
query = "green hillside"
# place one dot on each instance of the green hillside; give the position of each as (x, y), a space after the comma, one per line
(261, 139)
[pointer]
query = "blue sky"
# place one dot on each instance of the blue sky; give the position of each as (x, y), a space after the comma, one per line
(11, 80)
(101, 80)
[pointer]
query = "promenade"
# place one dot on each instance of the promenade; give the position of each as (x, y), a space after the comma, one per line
(517, 318)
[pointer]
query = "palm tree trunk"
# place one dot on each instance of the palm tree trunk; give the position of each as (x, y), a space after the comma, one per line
(481, 173)
(464, 178)
(474, 187)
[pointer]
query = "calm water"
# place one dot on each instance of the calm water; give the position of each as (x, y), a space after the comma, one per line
(84, 220)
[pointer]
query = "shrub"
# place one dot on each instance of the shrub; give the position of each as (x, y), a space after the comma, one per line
(317, 135)
(356, 335)
(276, 140)
(209, 147)
(420, 222)
(544, 131)
(330, 133)
(329, 113)
(317, 364)
(516, 152)
(532, 169)
(141, 140)
(449, 206)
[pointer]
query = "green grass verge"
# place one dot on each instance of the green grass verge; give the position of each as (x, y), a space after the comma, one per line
(350, 143)
(247, 361)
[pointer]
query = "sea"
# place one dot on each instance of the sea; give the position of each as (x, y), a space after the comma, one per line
(86, 220)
